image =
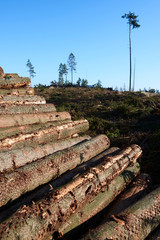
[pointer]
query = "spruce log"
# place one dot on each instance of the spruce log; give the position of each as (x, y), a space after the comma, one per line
(24, 99)
(41, 219)
(26, 108)
(136, 190)
(14, 82)
(12, 131)
(25, 119)
(18, 91)
(13, 159)
(136, 222)
(27, 178)
(45, 135)
(41, 192)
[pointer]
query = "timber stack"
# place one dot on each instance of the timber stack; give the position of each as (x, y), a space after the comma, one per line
(54, 178)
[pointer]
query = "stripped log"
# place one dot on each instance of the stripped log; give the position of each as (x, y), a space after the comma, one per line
(24, 119)
(27, 178)
(40, 220)
(136, 190)
(14, 82)
(136, 222)
(24, 99)
(18, 91)
(26, 108)
(41, 192)
(44, 135)
(13, 159)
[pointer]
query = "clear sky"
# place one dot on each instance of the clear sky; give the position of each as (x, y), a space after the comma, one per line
(47, 31)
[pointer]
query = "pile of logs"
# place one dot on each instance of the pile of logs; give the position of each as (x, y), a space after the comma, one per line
(54, 178)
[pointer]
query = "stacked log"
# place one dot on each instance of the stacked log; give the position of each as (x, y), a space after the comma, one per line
(51, 178)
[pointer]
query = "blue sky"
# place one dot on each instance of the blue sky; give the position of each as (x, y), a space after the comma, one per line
(47, 31)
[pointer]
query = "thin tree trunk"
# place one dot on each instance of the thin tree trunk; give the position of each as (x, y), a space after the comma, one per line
(130, 74)
(71, 76)
(29, 177)
(42, 219)
(136, 222)
(25, 119)
(48, 134)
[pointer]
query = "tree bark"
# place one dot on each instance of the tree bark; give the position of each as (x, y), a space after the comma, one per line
(44, 135)
(14, 83)
(30, 176)
(17, 91)
(24, 99)
(48, 214)
(10, 160)
(14, 120)
(26, 108)
(130, 57)
(136, 222)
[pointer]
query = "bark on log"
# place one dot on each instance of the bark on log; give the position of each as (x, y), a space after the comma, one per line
(40, 220)
(24, 99)
(13, 131)
(13, 159)
(136, 190)
(26, 108)
(136, 222)
(18, 91)
(25, 119)
(45, 135)
(155, 235)
(41, 192)
(27, 178)
(14, 83)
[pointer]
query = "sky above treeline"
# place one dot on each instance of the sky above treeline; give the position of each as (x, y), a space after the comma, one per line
(47, 31)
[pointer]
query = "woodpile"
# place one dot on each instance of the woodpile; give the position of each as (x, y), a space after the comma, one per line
(54, 178)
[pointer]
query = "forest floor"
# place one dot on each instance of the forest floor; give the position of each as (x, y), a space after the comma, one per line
(125, 117)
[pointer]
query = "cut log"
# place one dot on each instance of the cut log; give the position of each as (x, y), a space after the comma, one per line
(136, 190)
(12, 131)
(41, 192)
(24, 119)
(27, 178)
(18, 91)
(40, 220)
(45, 135)
(16, 99)
(13, 159)
(136, 222)
(26, 108)
(14, 82)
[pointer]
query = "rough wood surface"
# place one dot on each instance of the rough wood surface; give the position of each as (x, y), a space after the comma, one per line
(27, 178)
(136, 222)
(24, 119)
(24, 99)
(18, 91)
(14, 82)
(26, 108)
(10, 160)
(44, 135)
(43, 218)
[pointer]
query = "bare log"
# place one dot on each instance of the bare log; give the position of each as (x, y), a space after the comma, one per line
(27, 178)
(40, 220)
(26, 108)
(14, 82)
(18, 91)
(24, 99)
(136, 222)
(44, 135)
(13, 159)
(24, 119)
